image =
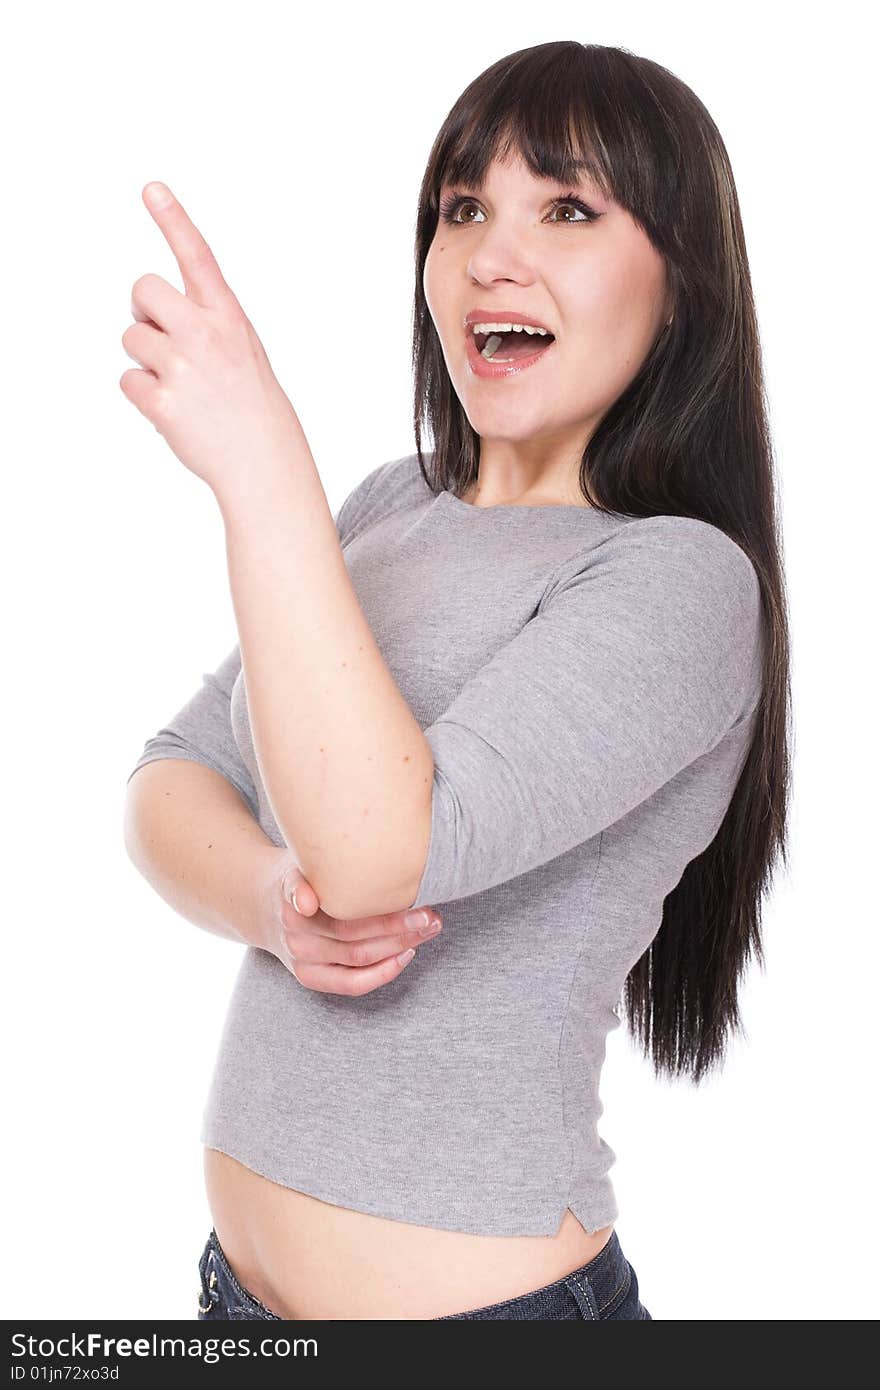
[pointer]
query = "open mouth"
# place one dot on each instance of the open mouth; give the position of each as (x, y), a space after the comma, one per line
(512, 345)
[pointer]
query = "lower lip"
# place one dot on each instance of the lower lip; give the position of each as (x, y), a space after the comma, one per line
(481, 367)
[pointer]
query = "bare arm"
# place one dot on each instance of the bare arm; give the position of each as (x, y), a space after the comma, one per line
(349, 777)
(194, 840)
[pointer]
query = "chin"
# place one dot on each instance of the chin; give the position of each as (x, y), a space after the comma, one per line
(495, 423)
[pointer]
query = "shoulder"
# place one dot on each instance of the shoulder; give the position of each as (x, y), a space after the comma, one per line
(697, 556)
(710, 597)
(387, 488)
(690, 536)
(676, 589)
(671, 560)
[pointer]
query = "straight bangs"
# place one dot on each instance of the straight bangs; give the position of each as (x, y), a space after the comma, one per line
(567, 124)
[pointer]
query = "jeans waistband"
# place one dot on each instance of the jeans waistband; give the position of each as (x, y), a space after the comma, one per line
(601, 1280)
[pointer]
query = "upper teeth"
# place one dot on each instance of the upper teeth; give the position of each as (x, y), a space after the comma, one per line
(509, 328)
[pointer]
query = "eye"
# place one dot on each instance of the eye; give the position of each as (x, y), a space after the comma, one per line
(450, 205)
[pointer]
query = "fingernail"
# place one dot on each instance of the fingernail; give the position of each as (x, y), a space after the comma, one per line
(414, 920)
(294, 901)
(406, 956)
(431, 929)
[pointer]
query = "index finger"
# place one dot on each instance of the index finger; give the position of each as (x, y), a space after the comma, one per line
(382, 924)
(202, 278)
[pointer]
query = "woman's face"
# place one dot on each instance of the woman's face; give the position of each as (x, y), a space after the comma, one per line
(598, 285)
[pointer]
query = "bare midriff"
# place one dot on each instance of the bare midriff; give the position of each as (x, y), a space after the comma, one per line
(305, 1258)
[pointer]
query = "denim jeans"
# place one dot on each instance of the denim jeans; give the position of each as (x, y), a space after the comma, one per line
(605, 1287)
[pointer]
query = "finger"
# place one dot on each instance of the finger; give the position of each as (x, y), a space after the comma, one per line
(202, 277)
(146, 344)
(140, 316)
(156, 302)
(341, 929)
(383, 924)
(298, 893)
(341, 979)
(316, 949)
(304, 897)
(139, 386)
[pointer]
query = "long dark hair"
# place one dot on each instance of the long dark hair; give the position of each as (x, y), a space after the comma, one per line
(688, 437)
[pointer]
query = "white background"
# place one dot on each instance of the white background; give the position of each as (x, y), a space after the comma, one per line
(297, 140)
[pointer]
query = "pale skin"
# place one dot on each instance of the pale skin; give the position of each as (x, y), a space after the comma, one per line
(599, 286)
(322, 953)
(356, 815)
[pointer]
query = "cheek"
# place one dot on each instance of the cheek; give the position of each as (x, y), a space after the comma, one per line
(436, 264)
(616, 306)
(436, 261)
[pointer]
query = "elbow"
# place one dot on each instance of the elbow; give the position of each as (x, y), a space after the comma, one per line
(348, 900)
(331, 902)
(342, 895)
(385, 883)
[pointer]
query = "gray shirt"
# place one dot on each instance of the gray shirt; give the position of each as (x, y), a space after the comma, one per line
(588, 685)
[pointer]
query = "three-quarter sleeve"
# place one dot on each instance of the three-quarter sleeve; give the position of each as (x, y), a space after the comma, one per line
(642, 655)
(201, 732)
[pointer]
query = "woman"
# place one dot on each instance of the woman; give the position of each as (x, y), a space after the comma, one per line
(580, 598)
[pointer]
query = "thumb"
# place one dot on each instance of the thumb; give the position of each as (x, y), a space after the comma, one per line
(303, 895)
